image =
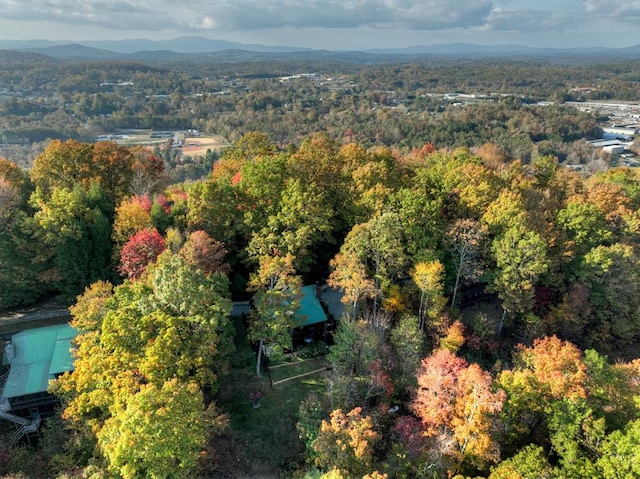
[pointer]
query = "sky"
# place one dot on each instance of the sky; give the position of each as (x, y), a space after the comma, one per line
(331, 24)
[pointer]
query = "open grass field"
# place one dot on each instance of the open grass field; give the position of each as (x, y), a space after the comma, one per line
(191, 145)
(198, 146)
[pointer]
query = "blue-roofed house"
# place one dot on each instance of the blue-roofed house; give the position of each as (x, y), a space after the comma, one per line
(29, 361)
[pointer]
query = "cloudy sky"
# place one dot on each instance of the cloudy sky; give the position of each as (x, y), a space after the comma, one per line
(331, 24)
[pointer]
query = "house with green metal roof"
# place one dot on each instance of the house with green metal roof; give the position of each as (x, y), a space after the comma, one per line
(310, 307)
(29, 361)
(315, 323)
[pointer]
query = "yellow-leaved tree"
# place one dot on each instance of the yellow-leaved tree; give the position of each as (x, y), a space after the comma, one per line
(345, 443)
(428, 277)
(145, 353)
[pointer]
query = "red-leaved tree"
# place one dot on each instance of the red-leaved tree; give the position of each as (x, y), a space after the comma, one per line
(143, 248)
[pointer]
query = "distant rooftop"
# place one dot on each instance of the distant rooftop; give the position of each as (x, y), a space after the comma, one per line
(40, 354)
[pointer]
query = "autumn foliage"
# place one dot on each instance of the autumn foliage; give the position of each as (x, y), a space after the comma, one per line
(132, 215)
(205, 253)
(141, 249)
(556, 367)
(346, 442)
(443, 261)
(455, 402)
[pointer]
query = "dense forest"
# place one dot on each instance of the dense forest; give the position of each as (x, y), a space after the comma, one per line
(491, 306)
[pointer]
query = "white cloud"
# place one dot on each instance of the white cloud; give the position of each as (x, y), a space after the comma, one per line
(529, 20)
(251, 14)
(207, 23)
(412, 14)
(621, 10)
(113, 14)
(321, 22)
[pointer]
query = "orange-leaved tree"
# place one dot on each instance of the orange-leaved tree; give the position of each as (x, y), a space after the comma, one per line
(549, 371)
(456, 403)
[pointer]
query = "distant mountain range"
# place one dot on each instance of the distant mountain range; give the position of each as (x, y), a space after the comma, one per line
(177, 45)
(472, 49)
(201, 49)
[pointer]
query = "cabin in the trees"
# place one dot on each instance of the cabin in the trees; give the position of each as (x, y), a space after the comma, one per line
(316, 325)
(29, 361)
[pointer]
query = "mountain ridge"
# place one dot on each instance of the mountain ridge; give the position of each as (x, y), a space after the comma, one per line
(178, 45)
(200, 48)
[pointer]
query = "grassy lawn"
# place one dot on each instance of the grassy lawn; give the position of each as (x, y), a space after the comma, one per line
(266, 436)
(296, 368)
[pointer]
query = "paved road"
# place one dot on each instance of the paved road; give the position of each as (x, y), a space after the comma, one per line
(43, 315)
